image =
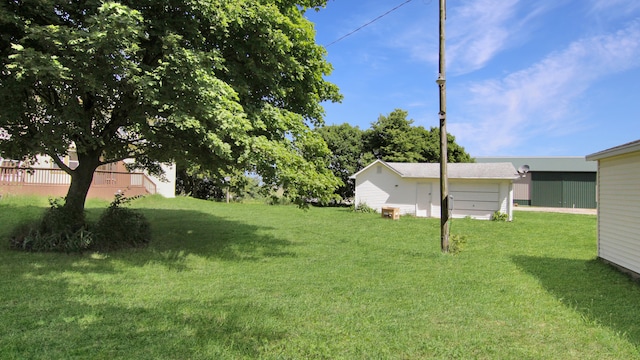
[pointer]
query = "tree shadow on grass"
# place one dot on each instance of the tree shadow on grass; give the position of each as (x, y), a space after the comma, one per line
(42, 312)
(176, 234)
(13, 215)
(591, 287)
(210, 236)
(53, 318)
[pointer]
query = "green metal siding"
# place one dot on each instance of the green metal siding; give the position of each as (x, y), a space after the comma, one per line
(579, 190)
(558, 189)
(546, 189)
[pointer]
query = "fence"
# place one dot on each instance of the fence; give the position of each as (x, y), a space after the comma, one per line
(55, 182)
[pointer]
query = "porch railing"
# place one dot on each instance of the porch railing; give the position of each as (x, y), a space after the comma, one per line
(104, 184)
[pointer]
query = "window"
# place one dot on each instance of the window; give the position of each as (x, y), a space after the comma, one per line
(108, 167)
(73, 159)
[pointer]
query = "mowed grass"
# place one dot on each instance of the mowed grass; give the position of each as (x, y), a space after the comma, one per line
(234, 281)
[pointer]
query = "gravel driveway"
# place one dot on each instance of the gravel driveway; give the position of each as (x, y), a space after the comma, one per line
(558, 210)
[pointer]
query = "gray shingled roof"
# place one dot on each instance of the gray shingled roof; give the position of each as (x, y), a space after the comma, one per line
(455, 170)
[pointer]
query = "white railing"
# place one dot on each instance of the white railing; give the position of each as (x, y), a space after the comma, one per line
(103, 179)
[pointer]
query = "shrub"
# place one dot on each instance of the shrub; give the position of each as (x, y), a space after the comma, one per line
(457, 243)
(57, 230)
(499, 216)
(57, 219)
(120, 227)
(364, 208)
(276, 199)
(30, 237)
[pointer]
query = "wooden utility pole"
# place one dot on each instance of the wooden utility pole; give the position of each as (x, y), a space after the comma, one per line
(444, 180)
(227, 180)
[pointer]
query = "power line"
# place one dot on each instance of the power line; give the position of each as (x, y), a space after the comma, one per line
(369, 23)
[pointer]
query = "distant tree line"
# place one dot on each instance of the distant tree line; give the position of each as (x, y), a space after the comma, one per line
(391, 138)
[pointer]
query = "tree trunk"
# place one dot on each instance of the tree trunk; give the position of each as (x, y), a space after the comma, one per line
(81, 179)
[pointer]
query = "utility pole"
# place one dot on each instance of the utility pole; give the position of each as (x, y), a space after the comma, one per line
(227, 180)
(444, 180)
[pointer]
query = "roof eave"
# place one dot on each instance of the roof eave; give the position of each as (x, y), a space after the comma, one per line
(615, 151)
(378, 161)
(464, 177)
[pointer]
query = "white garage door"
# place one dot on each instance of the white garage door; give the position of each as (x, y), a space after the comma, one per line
(475, 200)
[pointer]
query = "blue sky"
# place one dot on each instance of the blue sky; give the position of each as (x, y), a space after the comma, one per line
(524, 78)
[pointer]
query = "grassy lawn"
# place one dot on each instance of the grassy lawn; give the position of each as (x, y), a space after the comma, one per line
(233, 281)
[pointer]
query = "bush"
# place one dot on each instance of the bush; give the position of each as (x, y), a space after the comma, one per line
(31, 237)
(277, 199)
(364, 208)
(457, 243)
(499, 216)
(59, 220)
(119, 227)
(57, 230)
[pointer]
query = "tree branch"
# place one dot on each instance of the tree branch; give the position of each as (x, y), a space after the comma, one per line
(113, 160)
(59, 162)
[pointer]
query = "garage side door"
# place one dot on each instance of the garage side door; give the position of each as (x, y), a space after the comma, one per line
(423, 199)
(475, 200)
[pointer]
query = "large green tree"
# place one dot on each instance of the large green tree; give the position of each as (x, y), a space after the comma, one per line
(391, 138)
(348, 153)
(430, 146)
(223, 84)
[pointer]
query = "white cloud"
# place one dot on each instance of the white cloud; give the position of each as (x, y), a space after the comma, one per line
(619, 7)
(544, 97)
(477, 30)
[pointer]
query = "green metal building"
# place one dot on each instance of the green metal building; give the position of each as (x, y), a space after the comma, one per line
(567, 181)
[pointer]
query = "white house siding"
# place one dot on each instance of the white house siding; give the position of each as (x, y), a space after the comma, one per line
(167, 186)
(379, 186)
(507, 193)
(164, 186)
(619, 209)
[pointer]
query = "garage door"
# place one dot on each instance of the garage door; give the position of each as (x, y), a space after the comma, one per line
(569, 190)
(475, 200)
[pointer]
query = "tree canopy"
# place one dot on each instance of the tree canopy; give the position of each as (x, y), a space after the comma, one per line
(391, 138)
(348, 153)
(226, 85)
(394, 138)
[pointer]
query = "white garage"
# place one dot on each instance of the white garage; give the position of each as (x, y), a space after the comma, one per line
(478, 190)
